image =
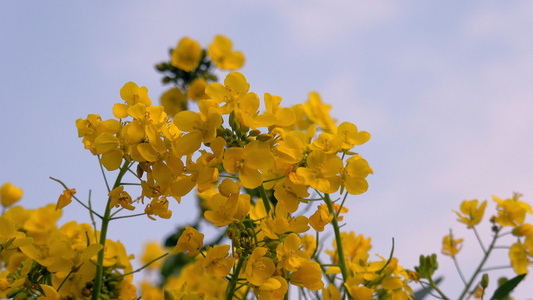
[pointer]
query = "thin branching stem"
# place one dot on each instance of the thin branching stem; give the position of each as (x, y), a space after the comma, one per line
(455, 260)
(480, 267)
(76, 198)
(129, 216)
(479, 240)
(264, 196)
(103, 173)
(146, 265)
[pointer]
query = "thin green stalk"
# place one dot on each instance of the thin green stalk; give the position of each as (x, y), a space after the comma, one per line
(479, 268)
(436, 288)
(76, 198)
(103, 174)
(146, 265)
(274, 179)
(230, 290)
(129, 216)
(455, 259)
(103, 235)
(263, 194)
(342, 204)
(338, 240)
(479, 240)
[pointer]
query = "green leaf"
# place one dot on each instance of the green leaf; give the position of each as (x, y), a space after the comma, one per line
(505, 289)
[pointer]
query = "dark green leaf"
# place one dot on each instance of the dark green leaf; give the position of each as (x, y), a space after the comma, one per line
(505, 289)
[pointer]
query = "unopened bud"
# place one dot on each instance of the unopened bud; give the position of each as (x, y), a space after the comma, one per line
(231, 233)
(485, 281)
(523, 230)
(255, 132)
(250, 231)
(264, 137)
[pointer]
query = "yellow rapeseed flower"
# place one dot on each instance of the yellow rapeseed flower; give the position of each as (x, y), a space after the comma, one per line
(221, 53)
(9, 194)
(65, 198)
(450, 246)
(152, 250)
(217, 263)
(511, 212)
(196, 90)
(309, 275)
(190, 240)
(187, 55)
(519, 258)
(470, 213)
(259, 267)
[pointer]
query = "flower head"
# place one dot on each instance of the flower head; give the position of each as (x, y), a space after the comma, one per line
(470, 213)
(9, 194)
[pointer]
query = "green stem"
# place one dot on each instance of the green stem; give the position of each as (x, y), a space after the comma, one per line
(76, 198)
(436, 288)
(103, 235)
(145, 266)
(233, 282)
(338, 240)
(263, 194)
(479, 268)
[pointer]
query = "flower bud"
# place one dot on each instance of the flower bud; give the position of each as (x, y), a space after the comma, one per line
(485, 281)
(255, 132)
(523, 230)
(264, 137)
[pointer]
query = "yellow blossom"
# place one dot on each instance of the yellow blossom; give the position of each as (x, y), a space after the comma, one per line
(289, 194)
(222, 55)
(217, 262)
(511, 212)
(152, 251)
(354, 174)
(320, 218)
(318, 112)
(350, 136)
(259, 268)
(519, 258)
(309, 275)
(174, 101)
(187, 55)
(190, 240)
(234, 89)
(289, 255)
(276, 293)
(196, 90)
(331, 293)
(470, 213)
(322, 171)
(9, 194)
(248, 162)
(451, 246)
(119, 197)
(358, 292)
(159, 207)
(65, 198)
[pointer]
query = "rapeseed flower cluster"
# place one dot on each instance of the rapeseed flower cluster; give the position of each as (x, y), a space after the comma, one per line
(264, 175)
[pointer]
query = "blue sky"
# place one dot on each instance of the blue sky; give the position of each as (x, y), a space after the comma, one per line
(445, 89)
